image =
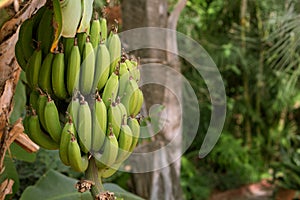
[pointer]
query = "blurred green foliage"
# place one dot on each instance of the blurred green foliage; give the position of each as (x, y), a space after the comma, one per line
(194, 182)
(287, 173)
(259, 61)
(30, 172)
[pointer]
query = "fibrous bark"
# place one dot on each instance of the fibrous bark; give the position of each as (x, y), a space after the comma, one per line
(163, 183)
(9, 76)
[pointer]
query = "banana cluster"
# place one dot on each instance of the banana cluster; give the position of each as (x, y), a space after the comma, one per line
(84, 93)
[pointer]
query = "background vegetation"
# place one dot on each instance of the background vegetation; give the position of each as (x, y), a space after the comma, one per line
(258, 57)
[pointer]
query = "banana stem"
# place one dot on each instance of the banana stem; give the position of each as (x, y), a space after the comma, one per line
(92, 174)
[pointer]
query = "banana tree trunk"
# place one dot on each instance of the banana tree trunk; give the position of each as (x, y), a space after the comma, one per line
(9, 76)
(163, 183)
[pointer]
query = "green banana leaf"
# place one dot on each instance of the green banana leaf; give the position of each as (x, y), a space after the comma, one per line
(11, 173)
(19, 100)
(54, 185)
(120, 192)
(19, 153)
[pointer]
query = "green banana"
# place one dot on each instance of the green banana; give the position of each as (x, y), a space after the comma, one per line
(38, 136)
(99, 117)
(26, 38)
(77, 162)
(134, 102)
(123, 83)
(102, 66)
(37, 17)
(84, 126)
(73, 109)
(114, 47)
(65, 140)
(110, 89)
(20, 56)
(87, 69)
(81, 40)
(125, 142)
(87, 12)
(132, 66)
(36, 65)
(129, 64)
(58, 76)
(45, 82)
(114, 117)
(110, 152)
(33, 68)
(130, 95)
(33, 99)
(95, 31)
(73, 70)
(103, 31)
(108, 172)
(26, 122)
(68, 44)
(110, 35)
(138, 102)
(41, 103)
(71, 15)
(52, 120)
(135, 128)
(122, 68)
(45, 31)
(123, 111)
(29, 73)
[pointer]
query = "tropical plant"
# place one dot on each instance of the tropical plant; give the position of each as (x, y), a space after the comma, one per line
(256, 47)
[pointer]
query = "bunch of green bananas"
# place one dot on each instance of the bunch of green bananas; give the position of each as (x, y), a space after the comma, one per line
(84, 94)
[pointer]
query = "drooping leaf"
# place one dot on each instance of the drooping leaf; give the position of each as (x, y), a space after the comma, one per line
(19, 100)
(120, 192)
(19, 153)
(54, 185)
(10, 172)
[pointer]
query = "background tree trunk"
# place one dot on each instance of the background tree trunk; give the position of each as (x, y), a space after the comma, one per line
(163, 183)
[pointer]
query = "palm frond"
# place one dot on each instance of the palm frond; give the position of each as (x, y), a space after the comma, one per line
(284, 52)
